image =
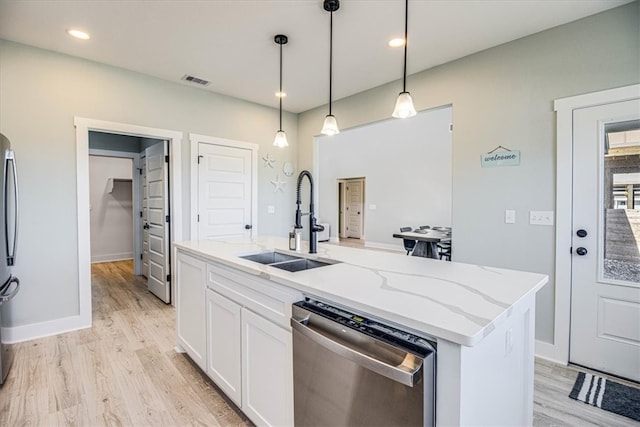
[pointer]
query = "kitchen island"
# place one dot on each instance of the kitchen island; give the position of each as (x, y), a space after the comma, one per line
(482, 320)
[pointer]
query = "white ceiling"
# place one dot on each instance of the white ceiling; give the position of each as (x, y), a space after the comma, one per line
(230, 43)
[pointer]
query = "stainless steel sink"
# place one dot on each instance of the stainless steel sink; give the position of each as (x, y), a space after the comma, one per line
(287, 262)
(301, 264)
(270, 257)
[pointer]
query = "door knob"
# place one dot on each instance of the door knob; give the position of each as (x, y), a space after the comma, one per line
(248, 227)
(581, 233)
(581, 251)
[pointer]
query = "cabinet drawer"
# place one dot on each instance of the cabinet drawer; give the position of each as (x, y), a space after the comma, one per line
(263, 297)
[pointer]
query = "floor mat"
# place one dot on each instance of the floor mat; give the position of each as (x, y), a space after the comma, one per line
(608, 395)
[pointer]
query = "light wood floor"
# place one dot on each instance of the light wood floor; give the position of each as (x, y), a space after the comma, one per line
(124, 371)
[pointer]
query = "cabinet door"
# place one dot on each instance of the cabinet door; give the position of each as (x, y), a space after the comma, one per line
(190, 318)
(224, 365)
(267, 370)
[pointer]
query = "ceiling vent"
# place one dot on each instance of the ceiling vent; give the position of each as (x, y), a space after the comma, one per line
(195, 80)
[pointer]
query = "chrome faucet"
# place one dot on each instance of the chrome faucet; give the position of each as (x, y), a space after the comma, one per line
(313, 227)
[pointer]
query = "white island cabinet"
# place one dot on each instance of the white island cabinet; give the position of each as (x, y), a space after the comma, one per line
(480, 318)
(244, 327)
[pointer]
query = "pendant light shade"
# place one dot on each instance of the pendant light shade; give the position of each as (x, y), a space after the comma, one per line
(404, 104)
(281, 137)
(330, 126)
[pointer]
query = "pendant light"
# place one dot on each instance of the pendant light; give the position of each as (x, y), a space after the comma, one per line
(330, 126)
(281, 138)
(404, 104)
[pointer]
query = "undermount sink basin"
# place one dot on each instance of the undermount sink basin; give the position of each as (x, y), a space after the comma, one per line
(287, 262)
(270, 257)
(300, 264)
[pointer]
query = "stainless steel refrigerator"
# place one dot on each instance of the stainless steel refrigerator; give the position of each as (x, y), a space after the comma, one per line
(9, 284)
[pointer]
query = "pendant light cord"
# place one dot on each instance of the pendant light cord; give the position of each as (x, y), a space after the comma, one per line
(281, 94)
(330, 58)
(406, 19)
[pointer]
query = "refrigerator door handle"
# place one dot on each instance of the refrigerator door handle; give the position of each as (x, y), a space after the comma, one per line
(4, 297)
(11, 248)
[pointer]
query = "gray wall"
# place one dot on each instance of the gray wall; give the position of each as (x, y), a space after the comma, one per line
(504, 96)
(111, 216)
(41, 92)
(114, 142)
(411, 186)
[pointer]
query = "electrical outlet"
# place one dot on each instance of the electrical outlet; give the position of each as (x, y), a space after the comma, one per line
(271, 209)
(510, 216)
(541, 217)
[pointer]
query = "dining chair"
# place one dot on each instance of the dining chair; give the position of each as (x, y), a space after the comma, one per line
(444, 250)
(409, 244)
(424, 227)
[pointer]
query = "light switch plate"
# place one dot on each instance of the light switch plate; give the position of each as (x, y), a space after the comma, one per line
(373, 207)
(541, 217)
(271, 209)
(510, 216)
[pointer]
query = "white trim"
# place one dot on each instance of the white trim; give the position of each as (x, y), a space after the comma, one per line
(83, 126)
(194, 140)
(43, 329)
(386, 246)
(111, 257)
(559, 350)
(137, 204)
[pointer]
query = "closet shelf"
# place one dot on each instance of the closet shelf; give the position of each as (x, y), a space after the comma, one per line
(112, 181)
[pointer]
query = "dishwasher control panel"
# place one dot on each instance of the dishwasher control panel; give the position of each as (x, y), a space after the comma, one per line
(375, 329)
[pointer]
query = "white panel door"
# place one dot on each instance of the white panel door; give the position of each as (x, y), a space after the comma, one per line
(605, 296)
(157, 178)
(267, 393)
(224, 352)
(145, 220)
(224, 191)
(355, 199)
(190, 307)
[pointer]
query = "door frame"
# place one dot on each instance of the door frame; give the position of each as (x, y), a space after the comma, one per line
(342, 201)
(83, 126)
(137, 200)
(194, 140)
(564, 107)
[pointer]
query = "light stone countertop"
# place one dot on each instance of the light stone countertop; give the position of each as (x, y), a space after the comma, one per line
(461, 303)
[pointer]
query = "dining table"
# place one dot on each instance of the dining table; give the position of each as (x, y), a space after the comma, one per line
(426, 241)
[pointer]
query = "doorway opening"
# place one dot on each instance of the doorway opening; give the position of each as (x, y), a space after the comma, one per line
(351, 199)
(171, 157)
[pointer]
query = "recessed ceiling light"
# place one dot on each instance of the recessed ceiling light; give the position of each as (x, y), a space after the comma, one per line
(397, 42)
(78, 34)
(281, 94)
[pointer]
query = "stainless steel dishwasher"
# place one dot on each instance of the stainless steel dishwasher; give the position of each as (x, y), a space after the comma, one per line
(352, 371)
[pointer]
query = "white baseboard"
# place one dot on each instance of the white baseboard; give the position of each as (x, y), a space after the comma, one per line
(548, 351)
(386, 246)
(111, 257)
(43, 329)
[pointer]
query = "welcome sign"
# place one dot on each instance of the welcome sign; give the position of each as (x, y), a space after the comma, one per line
(503, 158)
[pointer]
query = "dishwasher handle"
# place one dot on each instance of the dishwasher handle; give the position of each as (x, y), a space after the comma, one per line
(409, 377)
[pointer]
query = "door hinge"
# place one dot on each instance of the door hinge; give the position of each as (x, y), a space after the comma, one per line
(450, 127)
(140, 214)
(141, 256)
(199, 157)
(140, 170)
(168, 277)
(166, 218)
(166, 159)
(198, 217)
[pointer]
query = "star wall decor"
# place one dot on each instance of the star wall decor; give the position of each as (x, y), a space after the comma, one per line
(278, 184)
(268, 161)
